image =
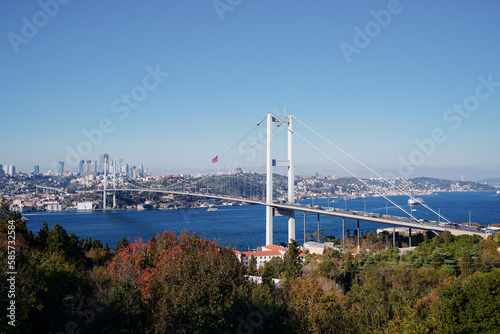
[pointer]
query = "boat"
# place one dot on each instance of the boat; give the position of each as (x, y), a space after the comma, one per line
(415, 201)
(212, 209)
(498, 192)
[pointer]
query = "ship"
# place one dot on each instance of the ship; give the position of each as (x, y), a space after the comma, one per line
(415, 201)
(212, 209)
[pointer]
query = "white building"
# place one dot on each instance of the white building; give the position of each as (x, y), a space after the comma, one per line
(318, 247)
(84, 206)
(263, 256)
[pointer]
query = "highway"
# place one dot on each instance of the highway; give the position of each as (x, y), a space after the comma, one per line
(384, 219)
(348, 214)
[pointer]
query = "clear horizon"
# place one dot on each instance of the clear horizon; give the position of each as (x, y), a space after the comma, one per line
(411, 88)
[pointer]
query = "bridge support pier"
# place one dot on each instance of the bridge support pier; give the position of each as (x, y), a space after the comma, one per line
(304, 227)
(394, 236)
(358, 235)
(409, 235)
(343, 234)
(291, 226)
(318, 227)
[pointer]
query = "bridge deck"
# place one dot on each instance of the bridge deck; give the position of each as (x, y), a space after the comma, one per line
(355, 215)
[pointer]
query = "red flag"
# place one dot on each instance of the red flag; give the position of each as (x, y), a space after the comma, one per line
(214, 160)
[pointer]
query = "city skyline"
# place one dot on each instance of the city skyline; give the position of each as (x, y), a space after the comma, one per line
(410, 88)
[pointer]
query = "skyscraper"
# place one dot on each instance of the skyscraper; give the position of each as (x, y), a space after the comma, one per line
(102, 158)
(60, 168)
(93, 166)
(36, 170)
(80, 170)
(124, 169)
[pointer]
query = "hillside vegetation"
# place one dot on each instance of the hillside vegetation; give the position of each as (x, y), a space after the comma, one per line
(184, 284)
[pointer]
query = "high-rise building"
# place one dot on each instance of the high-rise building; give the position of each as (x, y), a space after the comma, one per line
(102, 159)
(11, 170)
(80, 169)
(36, 170)
(1, 169)
(60, 167)
(124, 169)
(134, 173)
(93, 166)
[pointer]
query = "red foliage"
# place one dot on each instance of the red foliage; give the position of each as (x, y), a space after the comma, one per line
(146, 263)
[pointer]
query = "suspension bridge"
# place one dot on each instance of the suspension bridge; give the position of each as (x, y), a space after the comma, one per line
(256, 146)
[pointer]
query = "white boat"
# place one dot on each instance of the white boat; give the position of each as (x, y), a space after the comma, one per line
(415, 201)
(212, 209)
(498, 192)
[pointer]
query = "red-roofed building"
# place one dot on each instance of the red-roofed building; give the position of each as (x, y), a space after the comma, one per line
(265, 255)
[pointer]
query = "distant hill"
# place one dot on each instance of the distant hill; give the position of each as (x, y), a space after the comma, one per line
(492, 181)
(448, 185)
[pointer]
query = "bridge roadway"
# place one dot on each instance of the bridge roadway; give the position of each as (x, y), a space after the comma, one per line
(412, 223)
(50, 188)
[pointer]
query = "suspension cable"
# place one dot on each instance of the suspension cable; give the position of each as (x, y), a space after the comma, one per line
(347, 170)
(365, 166)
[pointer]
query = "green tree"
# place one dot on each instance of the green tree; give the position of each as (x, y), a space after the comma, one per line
(8, 218)
(465, 263)
(291, 260)
(468, 306)
(252, 266)
(122, 243)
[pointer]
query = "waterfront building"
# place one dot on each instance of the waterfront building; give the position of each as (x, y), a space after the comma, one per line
(84, 206)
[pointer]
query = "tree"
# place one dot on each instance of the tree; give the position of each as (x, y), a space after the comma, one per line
(8, 218)
(318, 235)
(468, 306)
(252, 266)
(122, 243)
(465, 263)
(291, 260)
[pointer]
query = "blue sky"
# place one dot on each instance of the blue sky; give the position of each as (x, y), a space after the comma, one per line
(229, 63)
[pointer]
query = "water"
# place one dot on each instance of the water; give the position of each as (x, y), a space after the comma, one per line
(243, 227)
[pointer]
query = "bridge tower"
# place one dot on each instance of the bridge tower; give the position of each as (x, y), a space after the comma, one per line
(105, 193)
(114, 183)
(270, 211)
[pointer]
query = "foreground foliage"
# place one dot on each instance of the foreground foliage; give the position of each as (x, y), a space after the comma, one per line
(184, 284)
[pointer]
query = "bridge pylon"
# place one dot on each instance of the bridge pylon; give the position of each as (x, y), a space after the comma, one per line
(270, 211)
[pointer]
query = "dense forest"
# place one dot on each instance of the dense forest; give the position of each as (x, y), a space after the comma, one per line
(184, 284)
